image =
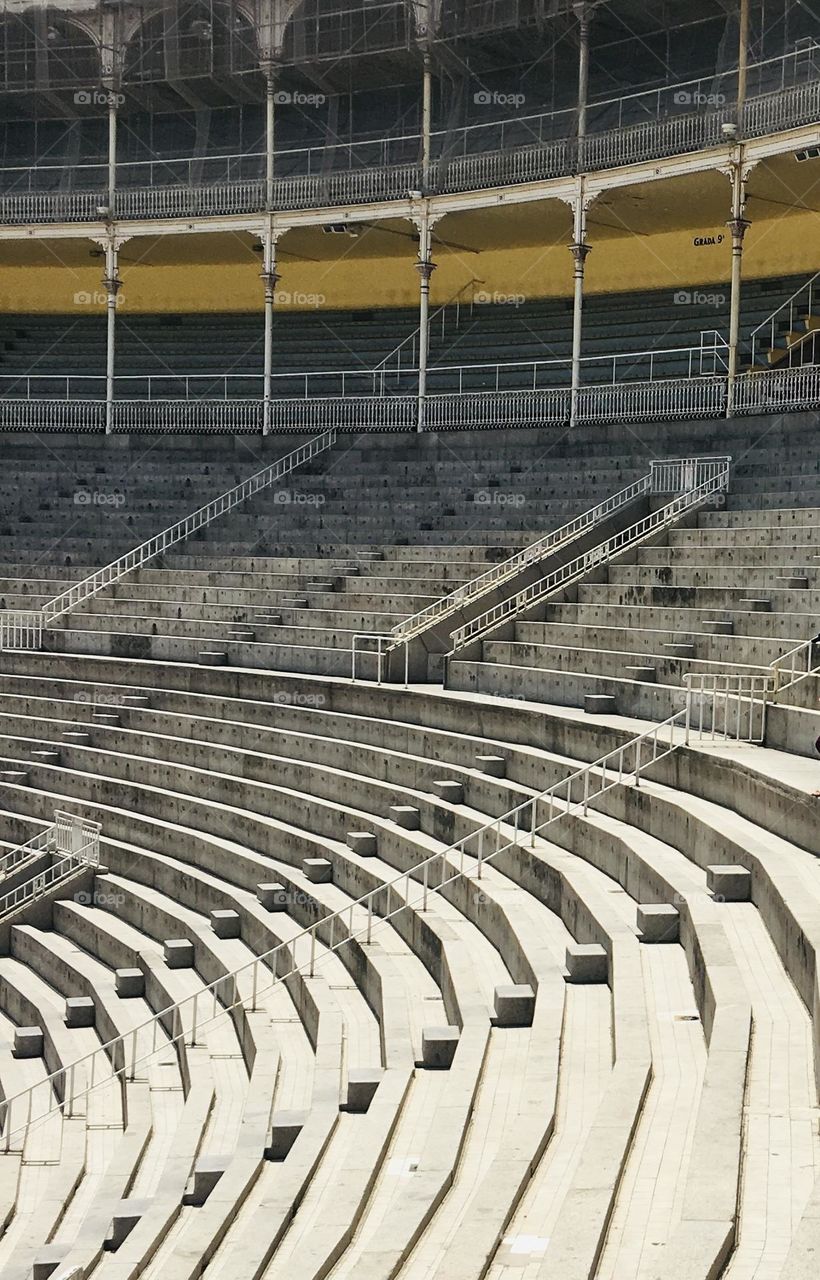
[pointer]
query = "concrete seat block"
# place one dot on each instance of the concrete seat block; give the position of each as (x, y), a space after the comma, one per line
(363, 843)
(80, 1011)
(586, 962)
(798, 581)
(129, 983)
(406, 815)
(295, 602)
(493, 766)
(756, 604)
(46, 757)
(14, 777)
(213, 658)
(124, 1219)
(514, 1005)
(106, 718)
(242, 635)
(179, 953)
(438, 1046)
(47, 1260)
(645, 675)
(135, 700)
(273, 896)
(362, 1083)
(207, 1172)
(675, 649)
(285, 1129)
(599, 704)
(317, 870)
(76, 739)
(729, 883)
(446, 789)
(28, 1042)
(719, 626)
(270, 619)
(225, 923)
(658, 922)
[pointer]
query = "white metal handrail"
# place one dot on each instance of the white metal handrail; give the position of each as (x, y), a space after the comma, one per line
(21, 629)
(175, 533)
(794, 665)
(75, 839)
(806, 292)
(532, 554)
(727, 706)
(13, 858)
(597, 556)
(188, 1018)
(671, 475)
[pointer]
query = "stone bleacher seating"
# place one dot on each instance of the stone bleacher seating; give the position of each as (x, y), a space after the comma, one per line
(484, 333)
(596, 1055)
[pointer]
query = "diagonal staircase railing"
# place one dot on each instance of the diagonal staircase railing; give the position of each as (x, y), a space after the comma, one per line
(507, 610)
(667, 475)
(23, 629)
(74, 841)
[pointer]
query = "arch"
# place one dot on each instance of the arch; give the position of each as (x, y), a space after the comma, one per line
(321, 29)
(189, 39)
(46, 49)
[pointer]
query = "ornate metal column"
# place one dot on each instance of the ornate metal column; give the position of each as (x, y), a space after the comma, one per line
(269, 278)
(738, 225)
(579, 250)
(425, 267)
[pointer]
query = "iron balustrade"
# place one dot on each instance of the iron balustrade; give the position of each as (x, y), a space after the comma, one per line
(778, 390)
(186, 1021)
(384, 168)
(781, 390)
(596, 557)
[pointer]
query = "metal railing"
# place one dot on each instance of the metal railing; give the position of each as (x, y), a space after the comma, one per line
(778, 391)
(13, 858)
(626, 129)
(596, 557)
(795, 665)
(79, 592)
(75, 841)
(187, 1020)
(21, 629)
(727, 707)
(798, 306)
(477, 587)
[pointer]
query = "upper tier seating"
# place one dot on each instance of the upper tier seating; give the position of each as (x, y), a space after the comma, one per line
(321, 341)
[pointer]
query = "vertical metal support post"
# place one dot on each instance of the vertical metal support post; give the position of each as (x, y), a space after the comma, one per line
(112, 285)
(738, 225)
(579, 250)
(426, 121)
(425, 267)
(269, 278)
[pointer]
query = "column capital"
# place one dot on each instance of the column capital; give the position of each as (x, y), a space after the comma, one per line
(738, 228)
(579, 250)
(425, 268)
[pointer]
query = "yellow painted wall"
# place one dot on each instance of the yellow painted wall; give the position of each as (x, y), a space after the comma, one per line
(780, 246)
